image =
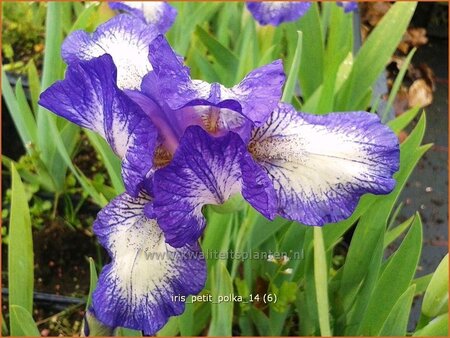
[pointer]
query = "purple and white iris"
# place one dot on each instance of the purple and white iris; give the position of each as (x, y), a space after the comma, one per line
(157, 13)
(186, 143)
(348, 6)
(275, 13)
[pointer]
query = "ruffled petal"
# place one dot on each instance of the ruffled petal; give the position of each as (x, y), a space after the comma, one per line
(275, 13)
(89, 97)
(143, 285)
(124, 38)
(321, 165)
(206, 170)
(253, 99)
(157, 13)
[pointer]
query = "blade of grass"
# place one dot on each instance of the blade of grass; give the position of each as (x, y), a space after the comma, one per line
(292, 79)
(50, 73)
(92, 281)
(321, 282)
(311, 67)
(20, 251)
(221, 313)
(109, 159)
(23, 323)
(20, 118)
(397, 83)
(401, 122)
(35, 85)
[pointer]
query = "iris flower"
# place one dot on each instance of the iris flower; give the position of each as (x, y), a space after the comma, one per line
(275, 13)
(348, 6)
(157, 13)
(186, 143)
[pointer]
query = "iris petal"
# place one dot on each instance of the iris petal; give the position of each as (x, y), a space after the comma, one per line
(349, 6)
(157, 13)
(321, 165)
(254, 97)
(141, 287)
(275, 13)
(124, 38)
(206, 170)
(89, 97)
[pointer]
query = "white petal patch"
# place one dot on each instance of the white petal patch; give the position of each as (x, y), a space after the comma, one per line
(138, 287)
(125, 38)
(321, 165)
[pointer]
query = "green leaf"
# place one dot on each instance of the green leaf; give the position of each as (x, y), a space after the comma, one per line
(321, 282)
(35, 84)
(397, 321)
(339, 45)
(85, 19)
(311, 68)
(221, 313)
(435, 300)
(393, 282)
(124, 332)
(51, 72)
(286, 295)
(170, 329)
(20, 251)
(217, 236)
(291, 82)
(22, 323)
(393, 234)
(109, 159)
(85, 182)
(375, 53)
(21, 118)
(189, 16)
(422, 283)
(224, 58)
(186, 319)
(397, 83)
(265, 229)
(247, 51)
(92, 281)
(402, 121)
(437, 327)
(261, 322)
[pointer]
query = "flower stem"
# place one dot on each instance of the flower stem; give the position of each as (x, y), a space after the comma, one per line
(321, 282)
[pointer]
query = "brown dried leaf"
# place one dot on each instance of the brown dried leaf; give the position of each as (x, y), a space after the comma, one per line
(372, 12)
(420, 94)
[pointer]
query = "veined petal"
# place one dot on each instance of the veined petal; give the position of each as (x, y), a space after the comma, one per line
(275, 13)
(124, 38)
(321, 165)
(206, 170)
(89, 97)
(141, 287)
(252, 99)
(157, 13)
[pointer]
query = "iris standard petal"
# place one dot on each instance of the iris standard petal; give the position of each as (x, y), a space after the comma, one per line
(321, 165)
(253, 99)
(89, 97)
(206, 170)
(142, 286)
(157, 13)
(124, 38)
(275, 13)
